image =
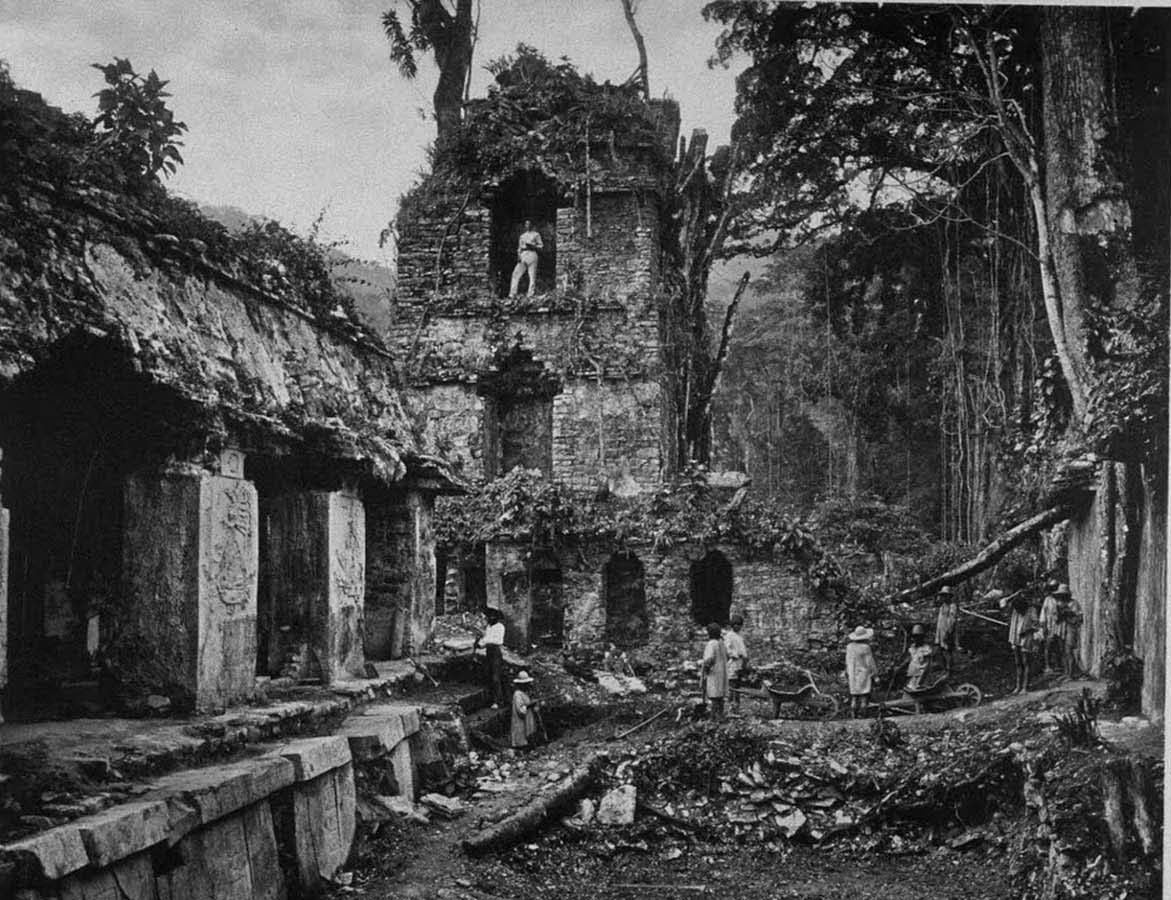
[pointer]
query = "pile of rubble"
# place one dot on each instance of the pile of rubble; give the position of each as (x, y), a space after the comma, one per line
(815, 789)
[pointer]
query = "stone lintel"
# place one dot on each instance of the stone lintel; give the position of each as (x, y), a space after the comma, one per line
(312, 757)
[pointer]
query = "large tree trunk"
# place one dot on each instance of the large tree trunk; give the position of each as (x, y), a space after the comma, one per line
(1087, 210)
(452, 40)
(989, 555)
(1089, 224)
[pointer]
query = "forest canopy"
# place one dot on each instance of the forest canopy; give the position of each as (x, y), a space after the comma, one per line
(986, 289)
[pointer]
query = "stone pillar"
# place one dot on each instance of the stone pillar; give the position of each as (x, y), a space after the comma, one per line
(508, 586)
(400, 575)
(190, 547)
(3, 601)
(316, 552)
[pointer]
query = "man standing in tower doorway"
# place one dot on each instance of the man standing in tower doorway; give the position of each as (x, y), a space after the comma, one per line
(528, 251)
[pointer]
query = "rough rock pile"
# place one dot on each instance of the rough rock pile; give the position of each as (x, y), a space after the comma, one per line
(740, 783)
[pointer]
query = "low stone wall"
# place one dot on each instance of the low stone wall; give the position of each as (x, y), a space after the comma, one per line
(274, 826)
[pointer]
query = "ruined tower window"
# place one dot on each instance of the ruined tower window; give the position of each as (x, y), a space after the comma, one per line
(548, 621)
(518, 415)
(531, 197)
(624, 589)
(711, 589)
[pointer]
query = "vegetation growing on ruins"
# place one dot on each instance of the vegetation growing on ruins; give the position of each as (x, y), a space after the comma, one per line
(112, 167)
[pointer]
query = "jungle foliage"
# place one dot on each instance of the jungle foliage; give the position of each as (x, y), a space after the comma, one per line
(113, 165)
(544, 116)
(953, 347)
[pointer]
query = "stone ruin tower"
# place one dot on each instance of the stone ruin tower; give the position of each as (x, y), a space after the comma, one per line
(569, 381)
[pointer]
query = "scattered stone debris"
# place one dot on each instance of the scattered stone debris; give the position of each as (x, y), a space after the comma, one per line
(619, 685)
(446, 807)
(617, 806)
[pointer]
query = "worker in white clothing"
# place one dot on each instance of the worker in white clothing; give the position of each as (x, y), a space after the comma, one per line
(493, 641)
(528, 252)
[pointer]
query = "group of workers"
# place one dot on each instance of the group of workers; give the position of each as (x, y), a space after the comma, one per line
(525, 720)
(724, 664)
(1049, 630)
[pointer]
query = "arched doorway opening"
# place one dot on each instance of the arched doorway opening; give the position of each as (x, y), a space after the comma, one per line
(547, 627)
(711, 588)
(624, 589)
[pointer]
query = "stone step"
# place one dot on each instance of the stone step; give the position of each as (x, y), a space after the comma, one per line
(222, 808)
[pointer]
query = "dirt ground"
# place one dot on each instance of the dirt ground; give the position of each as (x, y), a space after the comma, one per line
(424, 861)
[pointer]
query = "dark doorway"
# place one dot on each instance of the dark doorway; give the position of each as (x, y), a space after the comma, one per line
(711, 589)
(74, 428)
(518, 420)
(548, 622)
(526, 196)
(624, 590)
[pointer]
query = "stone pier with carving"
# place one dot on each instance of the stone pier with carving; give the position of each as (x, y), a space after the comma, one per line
(316, 552)
(189, 460)
(187, 623)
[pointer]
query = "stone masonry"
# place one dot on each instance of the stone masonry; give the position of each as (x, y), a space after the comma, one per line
(780, 612)
(597, 335)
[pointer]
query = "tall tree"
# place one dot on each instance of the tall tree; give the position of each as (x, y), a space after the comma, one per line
(641, 73)
(446, 29)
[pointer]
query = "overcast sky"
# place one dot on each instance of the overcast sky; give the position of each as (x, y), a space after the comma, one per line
(293, 105)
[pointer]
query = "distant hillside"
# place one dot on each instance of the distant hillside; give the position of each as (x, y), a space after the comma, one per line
(369, 284)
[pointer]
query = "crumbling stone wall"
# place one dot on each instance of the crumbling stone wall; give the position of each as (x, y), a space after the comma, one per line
(242, 368)
(781, 614)
(598, 334)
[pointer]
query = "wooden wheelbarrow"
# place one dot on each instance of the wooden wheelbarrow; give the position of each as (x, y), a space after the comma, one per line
(808, 697)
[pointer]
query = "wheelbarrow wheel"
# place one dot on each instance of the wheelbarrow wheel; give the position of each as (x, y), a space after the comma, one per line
(969, 694)
(823, 706)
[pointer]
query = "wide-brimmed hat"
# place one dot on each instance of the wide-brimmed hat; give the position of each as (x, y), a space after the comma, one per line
(946, 590)
(522, 677)
(861, 633)
(917, 630)
(1062, 590)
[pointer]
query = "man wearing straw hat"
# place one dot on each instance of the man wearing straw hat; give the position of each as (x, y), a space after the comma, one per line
(860, 668)
(524, 712)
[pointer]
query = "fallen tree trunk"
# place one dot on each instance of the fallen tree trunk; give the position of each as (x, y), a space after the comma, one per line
(989, 555)
(533, 814)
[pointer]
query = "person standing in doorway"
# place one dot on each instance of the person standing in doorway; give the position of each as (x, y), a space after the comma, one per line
(493, 641)
(714, 672)
(528, 255)
(737, 658)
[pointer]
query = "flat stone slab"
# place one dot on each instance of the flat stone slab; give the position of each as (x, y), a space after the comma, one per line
(53, 854)
(312, 757)
(379, 729)
(222, 790)
(122, 831)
